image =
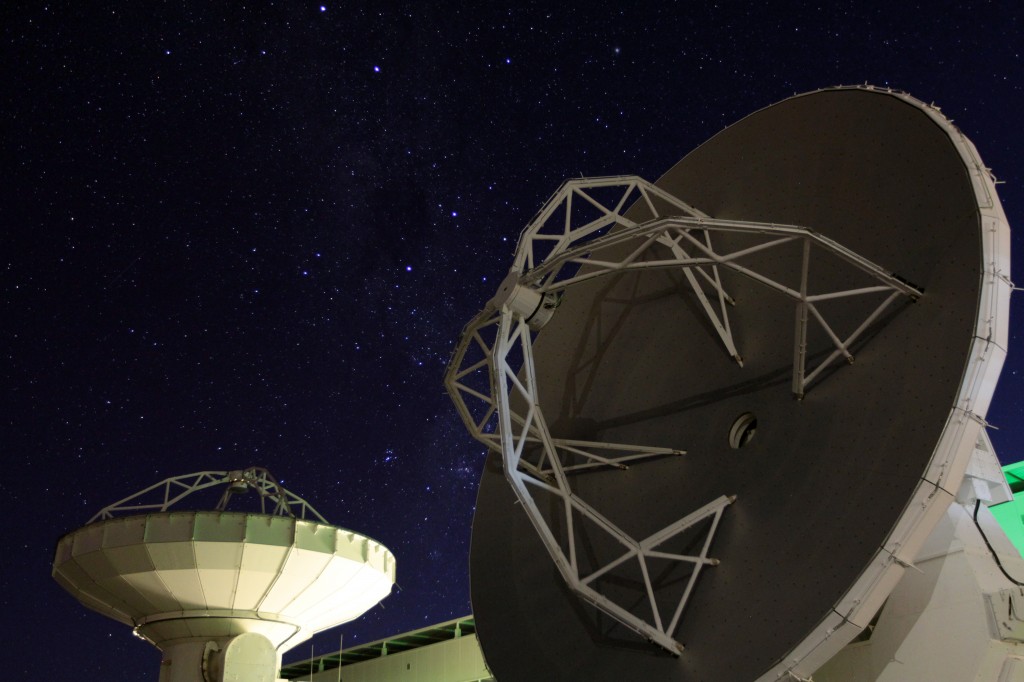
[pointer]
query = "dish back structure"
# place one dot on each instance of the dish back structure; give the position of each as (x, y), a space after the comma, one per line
(222, 593)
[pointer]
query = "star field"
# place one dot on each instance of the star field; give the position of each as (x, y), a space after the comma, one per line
(250, 235)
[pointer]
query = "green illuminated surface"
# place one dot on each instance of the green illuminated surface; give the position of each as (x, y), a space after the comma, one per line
(397, 644)
(1010, 515)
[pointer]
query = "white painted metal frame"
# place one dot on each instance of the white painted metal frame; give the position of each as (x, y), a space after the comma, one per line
(165, 494)
(493, 369)
(682, 231)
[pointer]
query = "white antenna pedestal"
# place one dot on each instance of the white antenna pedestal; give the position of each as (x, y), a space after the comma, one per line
(249, 656)
(954, 616)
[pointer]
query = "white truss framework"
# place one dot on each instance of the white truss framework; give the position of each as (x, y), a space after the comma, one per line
(493, 370)
(274, 498)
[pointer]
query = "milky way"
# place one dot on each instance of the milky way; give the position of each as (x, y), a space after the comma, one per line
(250, 236)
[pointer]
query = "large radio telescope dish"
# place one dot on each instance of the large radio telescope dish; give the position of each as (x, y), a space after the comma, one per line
(708, 486)
(222, 593)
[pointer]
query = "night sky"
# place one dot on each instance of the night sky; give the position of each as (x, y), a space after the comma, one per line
(250, 235)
